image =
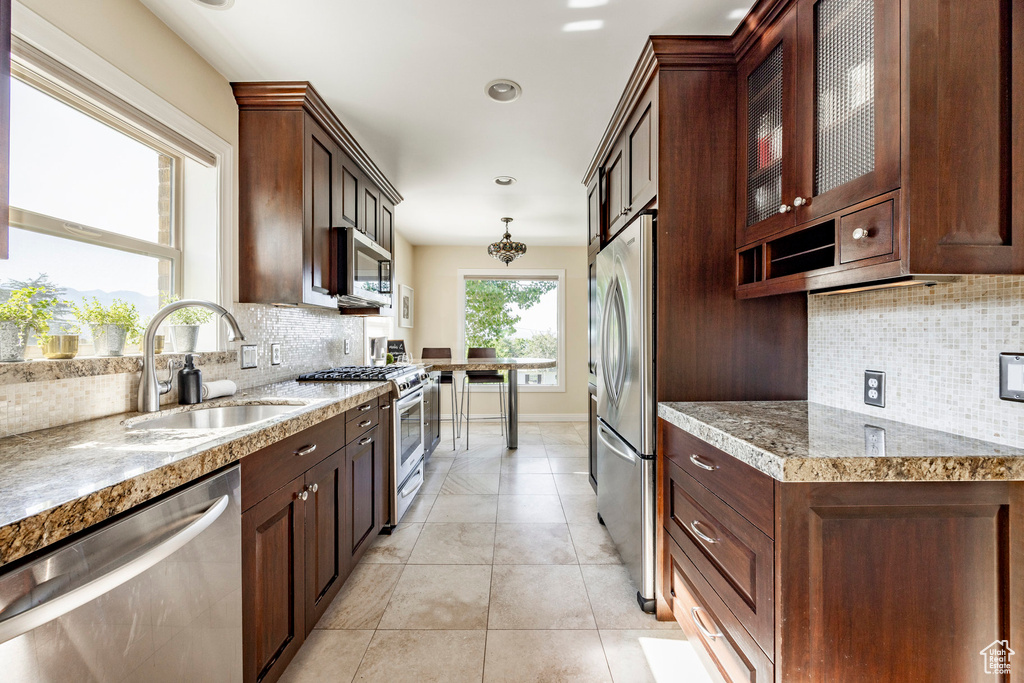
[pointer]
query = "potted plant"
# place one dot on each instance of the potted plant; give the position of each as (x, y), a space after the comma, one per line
(185, 324)
(111, 325)
(62, 343)
(18, 315)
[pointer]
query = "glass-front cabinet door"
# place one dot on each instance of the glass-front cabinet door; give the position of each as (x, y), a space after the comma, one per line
(767, 100)
(849, 80)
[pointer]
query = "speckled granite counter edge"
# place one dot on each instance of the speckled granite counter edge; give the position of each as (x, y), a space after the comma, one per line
(823, 470)
(44, 370)
(55, 524)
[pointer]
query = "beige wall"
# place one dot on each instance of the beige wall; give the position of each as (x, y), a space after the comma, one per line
(437, 294)
(403, 254)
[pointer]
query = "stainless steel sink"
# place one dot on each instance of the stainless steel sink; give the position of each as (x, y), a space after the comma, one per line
(220, 417)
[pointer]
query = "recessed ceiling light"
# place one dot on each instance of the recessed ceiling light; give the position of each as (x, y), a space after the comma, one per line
(585, 25)
(585, 4)
(215, 4)
(504, 180)
(738, 14)
(503, 90)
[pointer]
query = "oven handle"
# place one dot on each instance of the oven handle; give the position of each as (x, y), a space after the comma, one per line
(54, 608)
(404, 403)
(406, 492)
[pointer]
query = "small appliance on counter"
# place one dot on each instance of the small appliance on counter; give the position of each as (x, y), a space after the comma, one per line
(408, 433)
(190, 383)
(378, 350)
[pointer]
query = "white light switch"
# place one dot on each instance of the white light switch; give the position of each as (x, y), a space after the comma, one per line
(1011, 376)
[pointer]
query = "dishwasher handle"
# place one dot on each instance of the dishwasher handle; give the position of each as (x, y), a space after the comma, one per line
(54, 608)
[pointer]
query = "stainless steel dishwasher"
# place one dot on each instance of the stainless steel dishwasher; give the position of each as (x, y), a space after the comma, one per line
(155, 596)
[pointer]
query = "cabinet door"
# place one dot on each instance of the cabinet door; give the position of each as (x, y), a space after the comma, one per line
(614, 190)
(848, 117)
(385, 430)
(348, 193)
(387, 225)
(327, 563)
(273, 573)
(767, 170)
(594, 214)
(369, 217)
(642, 152)
(363, 492)
(317, 276)
(594, 318)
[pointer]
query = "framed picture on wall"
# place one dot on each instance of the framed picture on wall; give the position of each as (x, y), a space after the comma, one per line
(405, 306)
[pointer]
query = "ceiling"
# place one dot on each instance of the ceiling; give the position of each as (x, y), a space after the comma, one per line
(407, 78)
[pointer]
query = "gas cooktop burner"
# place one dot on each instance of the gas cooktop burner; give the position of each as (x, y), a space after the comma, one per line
(355, 373)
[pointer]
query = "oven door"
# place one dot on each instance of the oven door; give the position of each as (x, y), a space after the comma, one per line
(409, 428)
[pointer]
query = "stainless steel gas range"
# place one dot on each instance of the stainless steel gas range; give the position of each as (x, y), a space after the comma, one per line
(407, 443)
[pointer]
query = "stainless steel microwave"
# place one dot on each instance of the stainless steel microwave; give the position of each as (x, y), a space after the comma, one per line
(364, 272)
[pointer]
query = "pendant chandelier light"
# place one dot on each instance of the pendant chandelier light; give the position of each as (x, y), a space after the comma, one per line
(506, 250)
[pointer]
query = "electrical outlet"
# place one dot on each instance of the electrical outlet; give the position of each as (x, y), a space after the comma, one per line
(874, 441)
(275, 354)
(874, 388)
(1011, 376)
(348, 346)
(249, 356)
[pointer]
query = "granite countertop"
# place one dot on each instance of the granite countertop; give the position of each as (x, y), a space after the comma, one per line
(58, 481)
(809, 442)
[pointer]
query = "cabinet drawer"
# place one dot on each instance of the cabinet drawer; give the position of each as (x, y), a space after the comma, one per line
(361, 423)
(361, 409)
(268, 469)
(731, 553)
(715, 632)
(866, 233)
(746, 490)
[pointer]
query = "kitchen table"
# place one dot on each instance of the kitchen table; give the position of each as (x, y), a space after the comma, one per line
(512, 365)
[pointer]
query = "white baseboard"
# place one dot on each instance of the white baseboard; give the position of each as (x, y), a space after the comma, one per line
(523, 417)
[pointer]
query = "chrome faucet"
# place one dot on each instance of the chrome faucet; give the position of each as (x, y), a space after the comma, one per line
(151, 388)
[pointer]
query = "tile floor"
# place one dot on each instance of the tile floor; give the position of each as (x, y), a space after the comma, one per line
(499, 572)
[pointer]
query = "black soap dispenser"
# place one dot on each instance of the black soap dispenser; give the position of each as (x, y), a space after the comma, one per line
(190, 383)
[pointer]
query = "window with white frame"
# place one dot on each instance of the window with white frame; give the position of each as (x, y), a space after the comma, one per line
(99, 166)
(521, 315)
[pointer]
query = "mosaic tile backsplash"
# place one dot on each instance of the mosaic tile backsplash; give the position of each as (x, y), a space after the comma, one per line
(938, 346)
(310, 340)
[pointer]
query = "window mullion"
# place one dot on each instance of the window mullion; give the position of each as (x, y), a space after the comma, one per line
(55, 227)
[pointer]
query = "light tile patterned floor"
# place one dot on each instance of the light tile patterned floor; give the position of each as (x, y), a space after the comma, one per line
(499, 572)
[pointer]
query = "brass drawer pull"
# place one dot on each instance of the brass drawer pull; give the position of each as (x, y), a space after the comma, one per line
(700, 625)
(365, 441)
(366, 423)
(699, 462)
(363, 409)
(702, 536)
(306, 450)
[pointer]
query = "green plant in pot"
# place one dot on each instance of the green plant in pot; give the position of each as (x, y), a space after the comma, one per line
(185, 324)
(18, 315)
(60, 341)
(111, 325)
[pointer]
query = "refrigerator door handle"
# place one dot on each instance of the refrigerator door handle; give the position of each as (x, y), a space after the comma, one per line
(625, 455)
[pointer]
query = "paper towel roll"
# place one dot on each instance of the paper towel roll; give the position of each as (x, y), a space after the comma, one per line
(218, 388)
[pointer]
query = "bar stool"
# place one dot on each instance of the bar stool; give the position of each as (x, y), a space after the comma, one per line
(447, 378)
(476, 377)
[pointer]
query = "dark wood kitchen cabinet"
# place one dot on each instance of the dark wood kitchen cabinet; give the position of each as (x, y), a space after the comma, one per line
(301, 173)
(592, 441)
(594, 209)
(432, 414)
(893, 581)
(312, 503)
(878, 151)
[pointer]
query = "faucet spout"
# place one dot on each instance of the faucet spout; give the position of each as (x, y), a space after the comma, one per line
(150, 387)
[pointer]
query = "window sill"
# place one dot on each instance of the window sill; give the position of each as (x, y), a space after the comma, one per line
(44, 370)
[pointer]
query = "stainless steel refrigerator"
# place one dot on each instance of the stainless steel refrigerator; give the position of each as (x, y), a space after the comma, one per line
(626, 399)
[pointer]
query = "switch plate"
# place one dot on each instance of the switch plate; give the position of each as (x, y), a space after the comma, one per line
(275, 354)
(348, 346)
(874, 441)
(249, 356)
(1011, 376)
(874, 388)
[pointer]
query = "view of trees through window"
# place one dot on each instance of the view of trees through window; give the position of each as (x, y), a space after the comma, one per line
(518, 318)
